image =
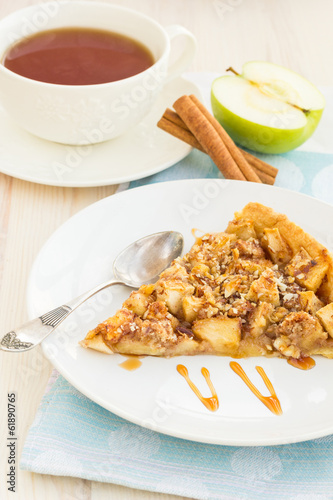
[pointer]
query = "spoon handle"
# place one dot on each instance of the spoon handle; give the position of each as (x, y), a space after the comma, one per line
(30, 334)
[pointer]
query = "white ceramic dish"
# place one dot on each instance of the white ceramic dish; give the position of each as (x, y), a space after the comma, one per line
(80, 254)
(142, 151)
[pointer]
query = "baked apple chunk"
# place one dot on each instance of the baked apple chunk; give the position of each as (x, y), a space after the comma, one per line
(262, 287)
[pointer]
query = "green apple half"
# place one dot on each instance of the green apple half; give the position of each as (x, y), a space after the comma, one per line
(268, 108)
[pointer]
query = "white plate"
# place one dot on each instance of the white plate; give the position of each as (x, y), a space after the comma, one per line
(142, 151)
(80, 254)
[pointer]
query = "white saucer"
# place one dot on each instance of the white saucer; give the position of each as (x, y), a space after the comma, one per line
(143, 151)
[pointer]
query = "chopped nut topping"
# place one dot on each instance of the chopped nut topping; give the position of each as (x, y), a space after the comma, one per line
(245, 292)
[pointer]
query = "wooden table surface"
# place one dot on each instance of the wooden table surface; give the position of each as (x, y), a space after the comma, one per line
(293, 33)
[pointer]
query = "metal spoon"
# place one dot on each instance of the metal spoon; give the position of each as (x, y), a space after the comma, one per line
(140, 263)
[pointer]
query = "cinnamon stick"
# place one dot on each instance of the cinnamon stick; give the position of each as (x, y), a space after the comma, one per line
(181, 133)
(260, 164)
(170, 115)
(208, 137)
(231, 146)
(265, 178)
(174, 125)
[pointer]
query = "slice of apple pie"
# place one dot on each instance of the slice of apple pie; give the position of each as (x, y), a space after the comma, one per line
(262, 287)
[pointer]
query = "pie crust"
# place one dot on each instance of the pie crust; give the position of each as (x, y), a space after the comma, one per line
(263, 287)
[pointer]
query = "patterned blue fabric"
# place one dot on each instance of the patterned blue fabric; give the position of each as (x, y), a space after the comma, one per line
(72, 436)
(302, 171)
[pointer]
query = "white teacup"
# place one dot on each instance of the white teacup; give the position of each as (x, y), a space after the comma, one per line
(87, 114)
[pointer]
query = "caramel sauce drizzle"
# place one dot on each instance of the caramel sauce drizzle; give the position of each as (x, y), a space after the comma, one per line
(305, 363)
(194, 232)
(211, 403)
(271, 402)
(131, 363)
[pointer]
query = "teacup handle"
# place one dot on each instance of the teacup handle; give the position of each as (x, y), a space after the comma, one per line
(187, 55)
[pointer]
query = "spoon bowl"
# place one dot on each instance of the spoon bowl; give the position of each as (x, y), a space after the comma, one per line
(140, 263)
(143, 261)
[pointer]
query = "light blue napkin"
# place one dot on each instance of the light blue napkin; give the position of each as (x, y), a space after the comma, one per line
(72, 436)
(303, 171)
